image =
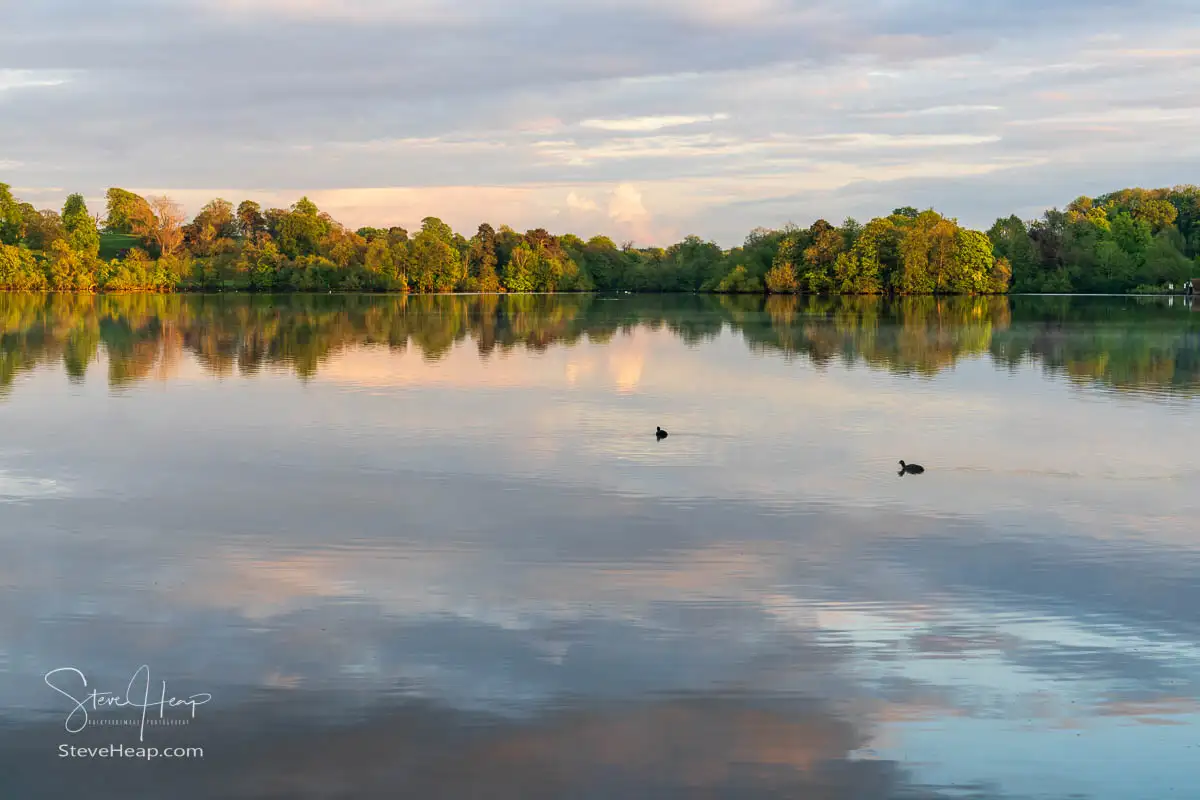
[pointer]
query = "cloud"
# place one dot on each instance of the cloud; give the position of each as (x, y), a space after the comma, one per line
(934, 111)
(648, 123)
(625, 206)
(574, 201)
(884, 141)
(287, 97)
(24, 79)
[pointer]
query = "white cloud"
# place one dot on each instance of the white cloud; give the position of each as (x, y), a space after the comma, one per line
(648, 147)
(25, 79)
(1149, 116)
(626, 204)
(348, 10)
(577, 203)
(630, 124)
(935, 111)
(445, 144)
(887, 141)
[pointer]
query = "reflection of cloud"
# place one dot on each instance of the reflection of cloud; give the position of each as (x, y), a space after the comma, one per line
(672, 747)
(1155, 711)
(15, 487)
(626, 370)
(515, 593)
(470, 533)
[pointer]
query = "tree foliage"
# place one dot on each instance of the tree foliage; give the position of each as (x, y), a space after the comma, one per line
(1113, 243)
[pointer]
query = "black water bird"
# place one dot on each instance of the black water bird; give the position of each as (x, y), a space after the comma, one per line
(659, 433)
(910, 469)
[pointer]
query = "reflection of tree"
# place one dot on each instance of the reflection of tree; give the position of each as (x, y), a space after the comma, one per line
(1135, 346)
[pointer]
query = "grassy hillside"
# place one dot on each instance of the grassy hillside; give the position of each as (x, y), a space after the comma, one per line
(113, 243)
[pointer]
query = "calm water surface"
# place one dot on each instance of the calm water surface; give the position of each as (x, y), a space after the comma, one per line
(430, 547)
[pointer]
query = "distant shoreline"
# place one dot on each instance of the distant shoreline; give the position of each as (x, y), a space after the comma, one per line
(594, 292)
(1135, 241)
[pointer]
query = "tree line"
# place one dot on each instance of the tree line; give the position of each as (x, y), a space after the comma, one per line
(1134, 346)
(1130, 240)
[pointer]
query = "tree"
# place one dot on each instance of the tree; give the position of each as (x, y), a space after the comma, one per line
(872, 261)
(740, 281)
(1163, 261)
(976, 269)
(1011, 241)
(519, 272)
(12, 221)
(42, 229)
(75, 213)
(215, 221)
(250, 220)
(825, 243)
(851, 230)
(128, 213)
(1158, 214)
(1085, 210)
(437, 229)
(70, 268)
(434, 264)
(695, 263)
(781, 277)
(482, 260)
(167, 233)
(19, 270)
(80, 226)
(300, 230)
(380, 263)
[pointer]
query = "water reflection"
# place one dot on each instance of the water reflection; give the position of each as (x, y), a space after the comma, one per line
(1142, 345)
(422, 571)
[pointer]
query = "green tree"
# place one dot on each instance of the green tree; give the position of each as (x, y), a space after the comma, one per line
(434, 264)
(1011, 241)
(19, 270)
(128, 213)
(781, 277)
(1164, 263)
(300, 230)
(519, 273)
(868, 267)
(12, 220)
(482, 260)
(215, 222)
(42, 229)
(822, 246)
(71, 269)
(80, 227)
(251, 224)
(976, 269)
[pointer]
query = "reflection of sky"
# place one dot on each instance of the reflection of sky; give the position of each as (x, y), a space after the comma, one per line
(499, 536)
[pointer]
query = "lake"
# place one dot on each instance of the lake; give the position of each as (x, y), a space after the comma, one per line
(385, 547)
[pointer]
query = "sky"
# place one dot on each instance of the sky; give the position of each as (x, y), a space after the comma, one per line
(644, 120)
